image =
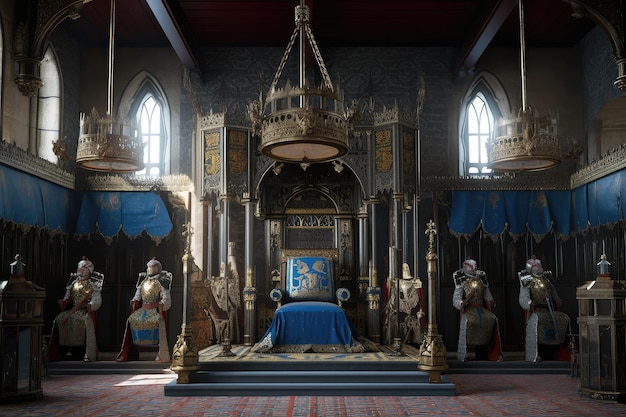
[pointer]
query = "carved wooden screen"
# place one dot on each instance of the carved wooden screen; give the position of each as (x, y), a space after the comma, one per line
(310, 222)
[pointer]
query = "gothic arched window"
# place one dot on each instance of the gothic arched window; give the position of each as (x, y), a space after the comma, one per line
(479, 114)
(478, 131)
(151, 133)
(49, 106)
(145, 102)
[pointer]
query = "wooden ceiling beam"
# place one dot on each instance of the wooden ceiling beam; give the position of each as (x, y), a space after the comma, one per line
(172, 23)
(484, 32)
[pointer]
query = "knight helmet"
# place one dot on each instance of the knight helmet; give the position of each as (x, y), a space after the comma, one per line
(469, 267)
(533, 267)
(153, 267)
(84, 268)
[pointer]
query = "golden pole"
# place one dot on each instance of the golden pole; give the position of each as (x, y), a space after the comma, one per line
(432, 356)
(185, 352)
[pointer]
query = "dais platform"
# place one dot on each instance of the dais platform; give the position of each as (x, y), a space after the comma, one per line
(263, 374)
(314, 374)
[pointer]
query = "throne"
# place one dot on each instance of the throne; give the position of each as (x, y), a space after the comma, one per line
(309, 316)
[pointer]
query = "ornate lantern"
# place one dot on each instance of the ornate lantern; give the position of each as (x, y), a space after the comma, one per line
(304, 124)
(602, 323)
(108, 144)
(21, 323)
(528, 142)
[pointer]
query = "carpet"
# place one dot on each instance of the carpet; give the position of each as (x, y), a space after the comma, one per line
(477, 395)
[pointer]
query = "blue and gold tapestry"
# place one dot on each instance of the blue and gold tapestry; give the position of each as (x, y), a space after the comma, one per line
(310, 278)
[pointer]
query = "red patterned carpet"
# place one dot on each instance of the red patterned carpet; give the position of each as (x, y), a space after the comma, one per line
(477, 395)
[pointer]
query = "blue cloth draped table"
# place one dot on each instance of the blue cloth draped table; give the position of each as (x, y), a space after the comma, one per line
(316, 325)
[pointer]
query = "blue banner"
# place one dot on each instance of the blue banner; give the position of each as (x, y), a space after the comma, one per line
(467, 212)
(604, 200)
(130, 212)
(494, 213)
(29, 200)
(560, 205)
(518, 212)
(517, 209)
(539, 219)
(579, 203)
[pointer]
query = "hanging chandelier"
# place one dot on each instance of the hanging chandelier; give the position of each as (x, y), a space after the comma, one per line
(301, 124)
(106, 143)
(528, 141)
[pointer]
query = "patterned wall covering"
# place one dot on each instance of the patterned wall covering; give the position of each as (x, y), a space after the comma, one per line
(378, 77)
(598, 72)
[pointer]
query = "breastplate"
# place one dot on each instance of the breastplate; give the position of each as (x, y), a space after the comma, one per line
(539, 290)
(79, 290)
(150, 291)
(476, 287)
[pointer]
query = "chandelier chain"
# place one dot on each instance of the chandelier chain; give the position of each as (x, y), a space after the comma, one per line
(283, 61)
(318, 57)
(302, 22)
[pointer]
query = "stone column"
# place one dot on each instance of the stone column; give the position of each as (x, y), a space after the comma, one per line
(373, 291)
(363, 279)
(249, 290)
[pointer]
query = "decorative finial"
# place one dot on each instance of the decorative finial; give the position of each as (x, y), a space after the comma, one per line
(18, 269)
(187, 233)
(431, 231)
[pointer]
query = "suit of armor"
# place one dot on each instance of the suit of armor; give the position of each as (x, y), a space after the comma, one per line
(406, 318)
(146, 325)
(478, 324)
(76, 324)
(545, 325)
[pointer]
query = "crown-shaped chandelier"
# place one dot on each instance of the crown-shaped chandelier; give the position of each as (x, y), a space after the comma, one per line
(301, 124)
(106, 143)
(529, 141)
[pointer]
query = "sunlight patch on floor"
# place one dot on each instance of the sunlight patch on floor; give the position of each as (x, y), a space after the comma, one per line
(148, 380)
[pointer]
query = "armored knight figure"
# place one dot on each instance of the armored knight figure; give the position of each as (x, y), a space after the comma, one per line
(546, 326)
(146, 324)
(478, 325)
(407, 323)
(224, 312)
(76, 324)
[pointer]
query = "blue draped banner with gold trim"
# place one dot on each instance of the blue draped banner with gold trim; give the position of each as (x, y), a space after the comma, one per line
(131, 212)
(604, 205)
(598, 203)
(31, 201)
(579, 202)
(517, 212)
